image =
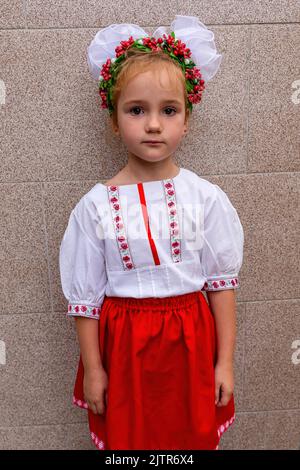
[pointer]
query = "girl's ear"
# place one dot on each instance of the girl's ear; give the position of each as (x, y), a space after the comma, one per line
(185, 127)
(115, 128)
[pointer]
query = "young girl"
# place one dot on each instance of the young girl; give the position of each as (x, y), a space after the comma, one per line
(156, 359)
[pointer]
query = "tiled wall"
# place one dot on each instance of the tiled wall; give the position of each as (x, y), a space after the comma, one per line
(56, 144)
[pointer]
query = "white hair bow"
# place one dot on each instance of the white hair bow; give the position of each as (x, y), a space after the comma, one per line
(194, 34)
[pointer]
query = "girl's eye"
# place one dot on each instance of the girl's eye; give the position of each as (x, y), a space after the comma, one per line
(172, 109)
(135, 107)
(138, 107)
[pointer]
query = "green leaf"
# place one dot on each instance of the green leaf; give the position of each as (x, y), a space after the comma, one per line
(119, 59)
(189, 86)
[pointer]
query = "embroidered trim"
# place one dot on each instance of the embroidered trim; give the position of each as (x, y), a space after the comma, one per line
(221, 284)
(170, 195)
(119, 228)
(224, 428)
(84, 311)
(98, 442)
(117, 218)
(80, 403)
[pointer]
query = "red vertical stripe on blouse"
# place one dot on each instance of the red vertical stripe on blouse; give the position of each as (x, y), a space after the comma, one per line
(146, 221)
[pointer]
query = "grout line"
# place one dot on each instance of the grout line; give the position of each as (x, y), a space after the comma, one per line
(248, 90)
(200, 175)
(267, 411)
(209, 25)
(47, 249)
(41, 425)
(24, 3)
(264, 439)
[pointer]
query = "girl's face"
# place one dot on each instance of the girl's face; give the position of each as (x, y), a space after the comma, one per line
(147, 111)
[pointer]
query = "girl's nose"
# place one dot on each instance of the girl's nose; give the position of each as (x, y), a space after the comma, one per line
(153, 123)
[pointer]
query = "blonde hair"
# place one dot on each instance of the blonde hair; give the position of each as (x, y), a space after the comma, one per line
(138, 61)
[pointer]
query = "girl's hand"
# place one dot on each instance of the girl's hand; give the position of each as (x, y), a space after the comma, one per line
(95, 390)
(224, 383)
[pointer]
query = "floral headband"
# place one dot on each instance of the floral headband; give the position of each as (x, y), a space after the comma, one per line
(196, 56)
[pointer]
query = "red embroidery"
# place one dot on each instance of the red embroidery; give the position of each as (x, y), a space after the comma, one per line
(115, 207)
(221, 284)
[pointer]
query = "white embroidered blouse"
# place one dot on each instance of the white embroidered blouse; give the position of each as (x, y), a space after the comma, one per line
(152, 239)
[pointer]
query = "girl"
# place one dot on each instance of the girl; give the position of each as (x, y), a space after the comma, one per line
(156, 359)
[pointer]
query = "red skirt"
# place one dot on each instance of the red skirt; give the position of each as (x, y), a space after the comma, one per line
(159, 355)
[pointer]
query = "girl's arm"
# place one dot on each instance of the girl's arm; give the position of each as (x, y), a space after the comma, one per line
(88, 332)
(223, 307)
(95, 381)
(222, 304)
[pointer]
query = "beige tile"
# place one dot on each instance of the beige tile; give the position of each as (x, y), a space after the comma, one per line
(78, 13)
(282, 430)
(12, 14)
(47, 437)
(241, 11)
(217, 142)
(271, 376)
(23, 128)
(53, 122)
(38, 378)
(82, 13)
(274, 117)
(268, 209)
(24, 274)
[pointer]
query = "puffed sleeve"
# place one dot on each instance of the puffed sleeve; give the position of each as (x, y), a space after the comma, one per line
(223, 243)
(82, 262)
